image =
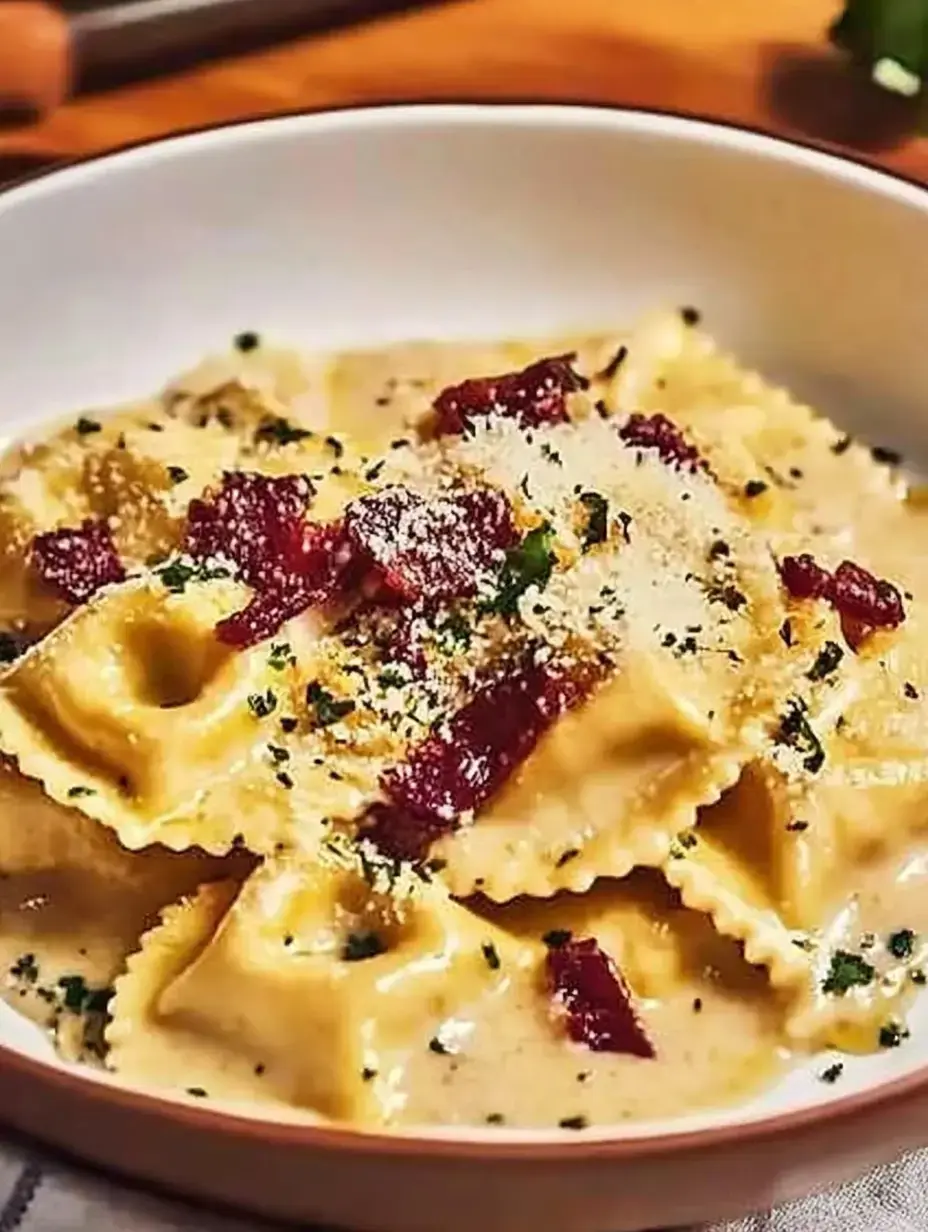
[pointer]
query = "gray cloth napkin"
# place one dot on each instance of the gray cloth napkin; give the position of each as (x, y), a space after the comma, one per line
(40, 1193)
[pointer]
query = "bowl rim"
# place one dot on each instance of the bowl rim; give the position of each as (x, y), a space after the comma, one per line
(487, 1145)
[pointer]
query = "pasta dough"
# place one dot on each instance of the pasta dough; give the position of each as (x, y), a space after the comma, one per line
(544, 798)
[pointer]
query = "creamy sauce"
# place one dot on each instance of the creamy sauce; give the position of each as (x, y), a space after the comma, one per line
(73, 905)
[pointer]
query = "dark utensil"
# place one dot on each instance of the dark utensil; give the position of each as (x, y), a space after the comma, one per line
(50, 51)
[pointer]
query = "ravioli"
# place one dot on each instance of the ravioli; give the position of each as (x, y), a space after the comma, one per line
(451, 738)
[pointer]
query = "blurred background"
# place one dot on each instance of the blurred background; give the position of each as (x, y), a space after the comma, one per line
(82, 76)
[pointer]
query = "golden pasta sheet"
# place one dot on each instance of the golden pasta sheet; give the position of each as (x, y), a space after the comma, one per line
(314, 989)
(133, 711)
(780, 861)
(379, 394)
(683, 604)
(73, 904)
(310, 991)
(806, 477)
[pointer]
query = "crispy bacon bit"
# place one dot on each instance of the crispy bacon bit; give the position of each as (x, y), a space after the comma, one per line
(590, 992)
(536, 395)
(439, 547)
(324, 564)
(803, 578)
(863, 602)
(75, 562)
(660, 433)
(862, 598)
(257, 522)
(462, 764)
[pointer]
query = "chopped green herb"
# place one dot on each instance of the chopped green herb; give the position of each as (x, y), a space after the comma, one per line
(797, 826)
(573, 1122)
(368, 1074)
(25, 968)
(454, 633)
(359, 946)
(847, 971)
(597, 521)
(77, 791)
(198, 1092)
(495, 1118)
(276, 430)
(832, 1073)
(247, 341)
(557, 937)
(372, 474)
(918, 977)
(910, 691)
(177, 573)
(566, 856)
(177, 474)
(754, 487)
(391, 678)
(826, 661)
(892, 1035)
(796, 733)
(278, 753)
(901, 944)
(335, 445)
(727, 594)
(436, 1046)
(85, 426)
(491, 955)
(786, 632)
(326, 707)
(289, 724)
(284, 779)
(281, 656)
(528, 564)
(551, 455)
(262, 704)
(81, 999)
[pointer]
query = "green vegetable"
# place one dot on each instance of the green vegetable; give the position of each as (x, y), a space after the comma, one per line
(890, 37)
(529, 564)
(846, 971)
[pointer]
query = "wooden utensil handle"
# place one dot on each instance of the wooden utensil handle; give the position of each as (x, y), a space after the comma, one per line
(36, 68)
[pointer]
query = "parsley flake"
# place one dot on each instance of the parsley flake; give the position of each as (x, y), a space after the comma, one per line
(597, 521)
(85, 426)
(262, 704)
(826, 661)
(359, 946)
(528, 564)
(326, 707)
(491, 955)
(847, 971)
(276, 430)
(901, 944)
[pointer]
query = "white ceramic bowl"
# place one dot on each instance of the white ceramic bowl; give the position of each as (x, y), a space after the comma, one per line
(369, 225)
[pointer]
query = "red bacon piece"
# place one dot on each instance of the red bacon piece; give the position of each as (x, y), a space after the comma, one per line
(590, 992)
(75, 562)
(537, 395)
(662, 434)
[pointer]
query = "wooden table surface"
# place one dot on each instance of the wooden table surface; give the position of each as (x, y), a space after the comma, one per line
(763, 62)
